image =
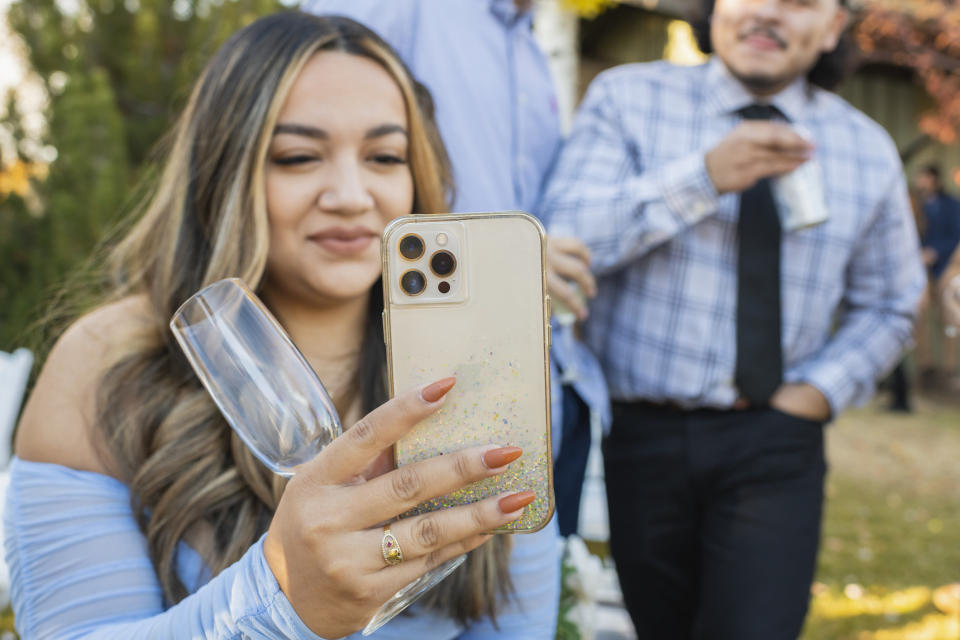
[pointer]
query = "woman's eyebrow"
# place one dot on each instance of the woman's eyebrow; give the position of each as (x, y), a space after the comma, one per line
(301, 130)
(320, 134)
(384, 130)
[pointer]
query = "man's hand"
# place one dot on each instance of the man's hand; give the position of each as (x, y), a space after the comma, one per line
(755, 150)
(802, 401)
(950, 297)
(568, 268)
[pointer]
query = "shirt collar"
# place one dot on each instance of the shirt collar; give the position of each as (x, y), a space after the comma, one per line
(507, 12)
(726, 94)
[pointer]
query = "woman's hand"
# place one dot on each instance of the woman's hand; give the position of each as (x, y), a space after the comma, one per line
(323, 545)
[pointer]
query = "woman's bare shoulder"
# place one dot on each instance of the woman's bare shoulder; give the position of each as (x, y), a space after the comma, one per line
(57, 425)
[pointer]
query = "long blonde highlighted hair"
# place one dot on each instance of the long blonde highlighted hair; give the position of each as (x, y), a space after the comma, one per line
(206, 219)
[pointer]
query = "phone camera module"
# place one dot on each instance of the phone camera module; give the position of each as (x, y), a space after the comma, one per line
(411, 246)
(443, 263)
(413, 282)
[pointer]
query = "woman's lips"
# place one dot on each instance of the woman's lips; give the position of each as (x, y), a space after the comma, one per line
(344, 242)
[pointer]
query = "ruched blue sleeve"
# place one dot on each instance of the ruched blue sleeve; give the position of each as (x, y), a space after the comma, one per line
(80, 569)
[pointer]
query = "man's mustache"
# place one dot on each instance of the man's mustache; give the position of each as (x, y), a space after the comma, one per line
(765, 32)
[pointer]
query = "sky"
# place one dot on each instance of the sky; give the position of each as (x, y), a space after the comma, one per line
(31, 96)
(11, 70)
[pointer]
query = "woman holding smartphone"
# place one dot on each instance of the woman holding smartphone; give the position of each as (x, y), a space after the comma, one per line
(133, 510)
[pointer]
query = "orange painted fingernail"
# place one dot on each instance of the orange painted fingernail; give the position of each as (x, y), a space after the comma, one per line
(436, 390)
(496, 458)
(516, 501)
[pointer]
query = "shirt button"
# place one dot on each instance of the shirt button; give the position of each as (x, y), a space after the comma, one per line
(523, 99)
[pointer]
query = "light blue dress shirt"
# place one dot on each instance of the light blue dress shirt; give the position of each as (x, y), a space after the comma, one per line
(80, 569)
(496, 106)
(497, 112)
(632, 183)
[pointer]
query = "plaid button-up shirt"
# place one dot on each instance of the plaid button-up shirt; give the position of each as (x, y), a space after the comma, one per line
(632, 183)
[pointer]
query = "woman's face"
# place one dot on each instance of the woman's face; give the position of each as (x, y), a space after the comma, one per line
(336, 174)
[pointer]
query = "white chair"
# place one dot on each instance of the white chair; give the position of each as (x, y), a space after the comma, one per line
(594, 523)
(14, 372)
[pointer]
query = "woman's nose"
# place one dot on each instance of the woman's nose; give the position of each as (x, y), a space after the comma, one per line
(345, 191)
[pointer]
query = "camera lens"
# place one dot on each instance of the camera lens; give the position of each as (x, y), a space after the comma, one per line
(411, 246)
(413, 282)
(443, 263)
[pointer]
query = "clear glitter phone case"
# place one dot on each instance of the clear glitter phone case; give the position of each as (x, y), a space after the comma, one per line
(483, 317)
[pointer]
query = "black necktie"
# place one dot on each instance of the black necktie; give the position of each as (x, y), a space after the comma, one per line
(759, 353)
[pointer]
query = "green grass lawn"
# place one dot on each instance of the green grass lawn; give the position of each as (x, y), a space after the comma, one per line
(881, 557)
(6, 621)
(891, 533)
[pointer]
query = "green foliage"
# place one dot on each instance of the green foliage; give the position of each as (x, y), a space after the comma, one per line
(116, 73)
(6, 621)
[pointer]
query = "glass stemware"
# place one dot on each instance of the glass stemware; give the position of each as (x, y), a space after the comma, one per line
(269, 394)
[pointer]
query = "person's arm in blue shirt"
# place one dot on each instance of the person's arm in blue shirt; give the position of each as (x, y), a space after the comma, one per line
(885, 278)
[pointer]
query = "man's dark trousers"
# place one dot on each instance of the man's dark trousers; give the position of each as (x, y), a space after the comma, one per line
(571, 466)
(714, 519)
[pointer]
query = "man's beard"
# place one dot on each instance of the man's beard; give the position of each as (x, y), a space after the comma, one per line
(761, 83)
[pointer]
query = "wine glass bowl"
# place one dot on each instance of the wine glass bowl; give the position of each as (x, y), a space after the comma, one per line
(260, 381)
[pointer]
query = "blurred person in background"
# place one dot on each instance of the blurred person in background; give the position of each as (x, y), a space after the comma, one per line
(939, 221)
(948, 291)
(134, 510)
(729, 338)
(497, 113)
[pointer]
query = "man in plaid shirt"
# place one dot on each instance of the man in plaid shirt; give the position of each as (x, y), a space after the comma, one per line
(727, 337)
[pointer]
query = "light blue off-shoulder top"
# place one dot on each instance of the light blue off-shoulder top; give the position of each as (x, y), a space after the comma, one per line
(79, 568)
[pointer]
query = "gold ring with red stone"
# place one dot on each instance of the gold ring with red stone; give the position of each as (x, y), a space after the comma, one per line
(390, 548)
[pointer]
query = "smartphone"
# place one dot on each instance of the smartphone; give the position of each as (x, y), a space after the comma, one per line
(465, 295)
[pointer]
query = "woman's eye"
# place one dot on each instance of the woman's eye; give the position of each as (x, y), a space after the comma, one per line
(294, 160)
(389, 158)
